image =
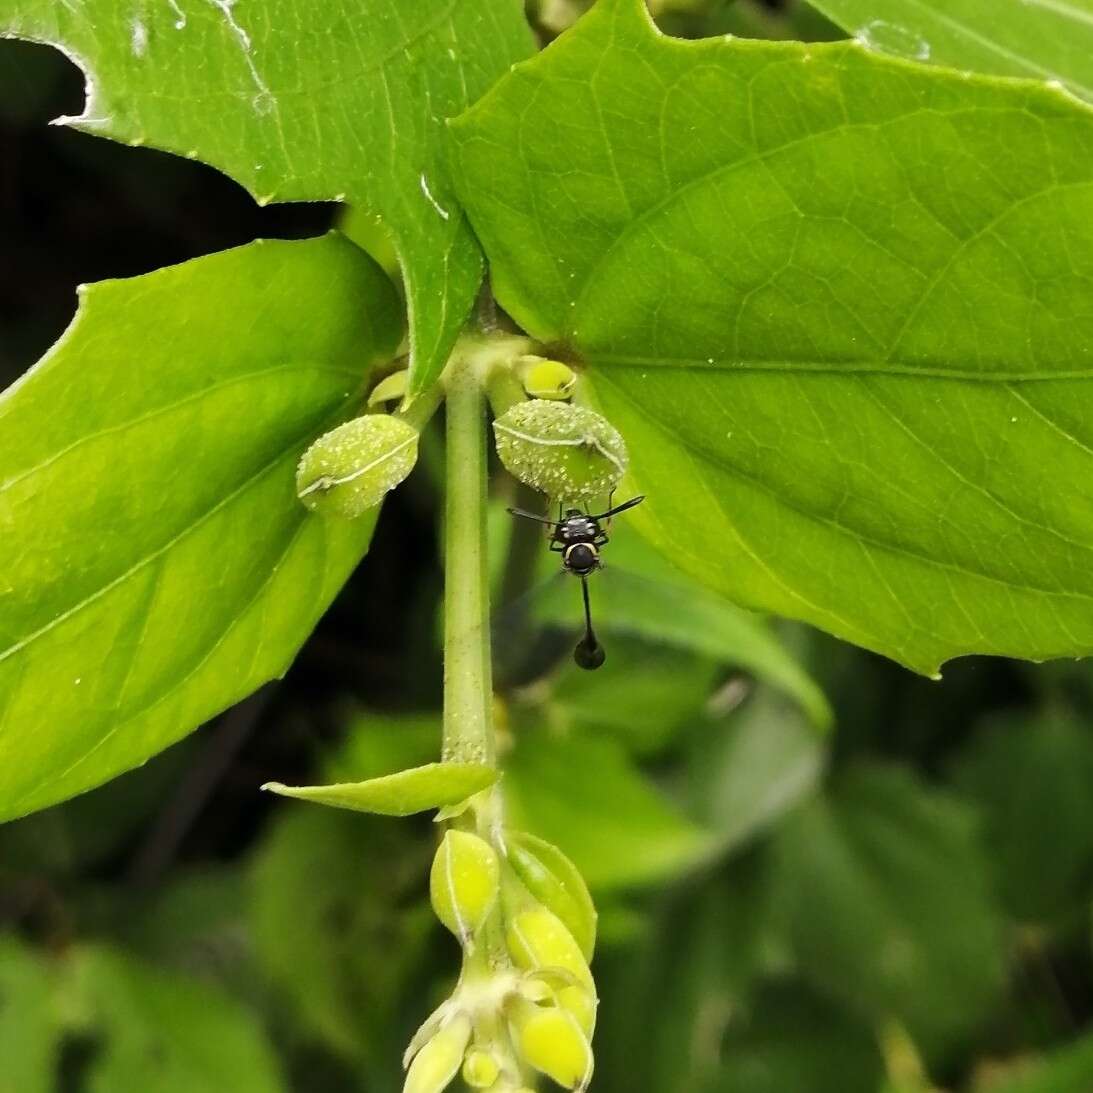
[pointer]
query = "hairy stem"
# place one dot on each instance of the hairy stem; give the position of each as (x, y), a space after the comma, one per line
(468, 686)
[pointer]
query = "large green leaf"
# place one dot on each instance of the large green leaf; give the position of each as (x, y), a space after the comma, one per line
(839, 305)
(336, 929)
(304, 102)
(1031, 779)
(166, 1032)
(583, 794)
(884, 893)
(155, 564)
(1043, 39)
(1065, 1070)
(30, 1029)
(749, 769)
(643, 594)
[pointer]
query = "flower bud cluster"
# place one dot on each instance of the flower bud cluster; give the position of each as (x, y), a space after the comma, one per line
(525, 1002)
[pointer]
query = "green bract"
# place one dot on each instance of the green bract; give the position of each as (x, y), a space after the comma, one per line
(417, 789)
(348, 471)
(568, 452)
(837, 303)
(553, 880)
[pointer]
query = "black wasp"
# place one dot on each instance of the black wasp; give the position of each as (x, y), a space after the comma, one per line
(578, 537)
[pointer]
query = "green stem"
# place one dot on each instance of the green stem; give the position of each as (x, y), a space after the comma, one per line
(468, 686)
(423, 407)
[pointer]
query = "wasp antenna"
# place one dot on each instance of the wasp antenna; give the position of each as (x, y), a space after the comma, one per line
(532, 516)
(621, 508)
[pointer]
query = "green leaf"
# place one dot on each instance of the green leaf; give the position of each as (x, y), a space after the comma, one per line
(1041, 39)
(300, 102)
(838, 305)
(584, 795)
(335, 931)
(168, 1033)
(691, 971)
(664, 691)
(751, 768)
(1030, 780)
(1066, 1070)
(884, 892)
(155, 564)
(416, 790)
(30, 1031)
(644, 594)
(794, 1040)
(376, 744)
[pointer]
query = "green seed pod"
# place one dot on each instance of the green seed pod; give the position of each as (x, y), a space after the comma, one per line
(348, 470)
(464, 882)
(568, 452)
(543, 378)
(550, 1040)
(556, 883)
(537, 938)
(480, 1069)
(438, 1062)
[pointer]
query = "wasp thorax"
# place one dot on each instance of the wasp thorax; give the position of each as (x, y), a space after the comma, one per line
(564, 451)
(348, 470)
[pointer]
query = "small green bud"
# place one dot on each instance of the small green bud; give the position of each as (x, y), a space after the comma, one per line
(480, 1069)
(564, 451)
(537, 938)
(391, 388)
(438, 1062)
(551, 1041)
(545, 378)
(348, 470)
(555, 882)
(464, 882)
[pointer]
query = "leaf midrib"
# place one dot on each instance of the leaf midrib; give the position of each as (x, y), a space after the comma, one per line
(168, 408)
(833, 367)
(193, 526)
(855, 535)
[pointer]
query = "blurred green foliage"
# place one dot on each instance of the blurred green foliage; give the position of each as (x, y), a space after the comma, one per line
(899, 906)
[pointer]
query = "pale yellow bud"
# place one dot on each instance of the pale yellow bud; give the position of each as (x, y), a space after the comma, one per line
(544, 378)
(537, 938)
(438, 1062)
(480, 1069)
(556, 883)
(551, 1041)
(464, 882)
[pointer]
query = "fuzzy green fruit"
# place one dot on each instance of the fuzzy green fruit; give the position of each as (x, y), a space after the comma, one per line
(349, 470)
(567, 452)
